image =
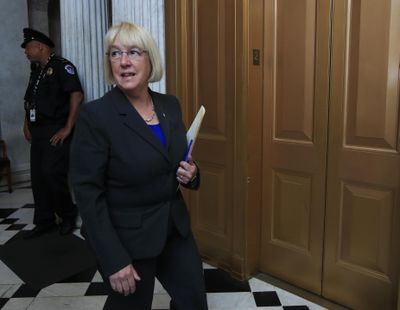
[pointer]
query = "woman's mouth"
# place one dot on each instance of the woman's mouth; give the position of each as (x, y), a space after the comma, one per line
(128, 74)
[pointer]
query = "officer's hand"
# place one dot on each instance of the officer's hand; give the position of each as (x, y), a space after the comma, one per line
(124, 281)
(60, 136)
(27, 134)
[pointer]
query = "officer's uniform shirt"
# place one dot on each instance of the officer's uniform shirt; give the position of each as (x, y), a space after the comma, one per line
(51, 98)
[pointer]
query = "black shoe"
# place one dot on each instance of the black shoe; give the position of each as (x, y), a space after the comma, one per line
(67, 227)
(39, 230)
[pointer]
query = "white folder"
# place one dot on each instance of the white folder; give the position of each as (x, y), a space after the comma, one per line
(193, 131)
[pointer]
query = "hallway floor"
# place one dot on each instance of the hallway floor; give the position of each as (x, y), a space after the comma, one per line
(86, 292)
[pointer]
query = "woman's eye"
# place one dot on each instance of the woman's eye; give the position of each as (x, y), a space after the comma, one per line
(135, 52)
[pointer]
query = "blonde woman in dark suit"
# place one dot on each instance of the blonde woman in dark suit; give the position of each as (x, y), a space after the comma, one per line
(127, 160)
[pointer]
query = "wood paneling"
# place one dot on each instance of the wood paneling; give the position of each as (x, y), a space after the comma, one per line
(208, 61)
(362, 223)
(275, 196)
(291, 210)
(294, 150)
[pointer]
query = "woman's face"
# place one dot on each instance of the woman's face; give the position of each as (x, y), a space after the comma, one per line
(131, 69)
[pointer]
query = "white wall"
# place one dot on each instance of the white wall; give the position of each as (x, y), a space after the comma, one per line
(150, 15)
(14, 76)
(83, 26)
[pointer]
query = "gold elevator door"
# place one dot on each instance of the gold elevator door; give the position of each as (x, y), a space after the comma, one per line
(331, 163)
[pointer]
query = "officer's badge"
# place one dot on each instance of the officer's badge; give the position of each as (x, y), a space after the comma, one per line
(49, 71)
(70, 69)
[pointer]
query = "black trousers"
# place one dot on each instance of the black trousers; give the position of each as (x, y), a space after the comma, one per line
(179, 270)
(49, 168)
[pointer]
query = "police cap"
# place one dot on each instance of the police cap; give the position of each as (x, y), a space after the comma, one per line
(34, 35)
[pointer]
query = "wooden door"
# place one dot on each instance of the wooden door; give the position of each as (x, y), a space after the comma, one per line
(362, 219)
(201, 52)
(296, 75)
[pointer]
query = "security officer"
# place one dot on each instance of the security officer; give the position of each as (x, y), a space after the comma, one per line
(52, 100)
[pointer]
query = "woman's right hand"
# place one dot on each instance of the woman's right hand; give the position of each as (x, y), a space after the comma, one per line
(124, 281)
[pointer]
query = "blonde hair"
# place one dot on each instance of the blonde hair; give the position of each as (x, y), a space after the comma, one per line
(133, 35)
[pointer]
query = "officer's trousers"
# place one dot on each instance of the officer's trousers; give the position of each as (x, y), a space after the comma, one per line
(49, 168)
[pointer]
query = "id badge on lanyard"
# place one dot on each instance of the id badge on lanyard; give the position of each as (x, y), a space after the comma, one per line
(32, 115)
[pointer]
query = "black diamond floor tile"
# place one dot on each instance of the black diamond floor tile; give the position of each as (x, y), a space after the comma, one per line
(296, 308)
(267, 299)
(28, 205)
(26, 291)
(84, 276)
(8, 221)
(218, 281)
(95, 289)
(16, 227)
(6, 212)
(3, 301)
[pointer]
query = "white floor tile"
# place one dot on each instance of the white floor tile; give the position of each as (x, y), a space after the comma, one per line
(18, 304)
(252, 308)
(7, 290)
(158, 288)
(3, 227)
(7, 235)
(64, 290)
(68, 303)
(24, 216)
(29, 227)
(7, 276)
(207, 266)
(260, 286)
(97, 277)
(289, 299)
(231, 300)
(17, 198)
(161, 301)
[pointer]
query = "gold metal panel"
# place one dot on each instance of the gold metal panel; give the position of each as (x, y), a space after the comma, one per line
(372, 105)
(366, 214)
(295, 69)
(291, 210)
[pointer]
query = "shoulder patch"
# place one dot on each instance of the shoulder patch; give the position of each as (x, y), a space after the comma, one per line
(70, 69)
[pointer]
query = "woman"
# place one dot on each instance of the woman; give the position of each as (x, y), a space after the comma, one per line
(126, 167)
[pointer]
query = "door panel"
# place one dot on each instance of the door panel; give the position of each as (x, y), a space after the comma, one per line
(211, 49)
(295, 139)
(362, 222)
(202, 64)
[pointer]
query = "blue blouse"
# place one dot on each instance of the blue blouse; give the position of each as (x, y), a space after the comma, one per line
(159, 133)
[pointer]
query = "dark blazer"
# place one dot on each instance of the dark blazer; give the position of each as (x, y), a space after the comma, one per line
(124, 179)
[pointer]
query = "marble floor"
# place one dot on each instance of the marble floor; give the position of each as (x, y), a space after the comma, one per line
(87, 292)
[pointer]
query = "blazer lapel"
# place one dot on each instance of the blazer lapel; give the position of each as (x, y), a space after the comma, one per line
(162, 116)
(131, 118)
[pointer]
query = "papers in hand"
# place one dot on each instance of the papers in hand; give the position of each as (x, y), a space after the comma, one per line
(193, 131)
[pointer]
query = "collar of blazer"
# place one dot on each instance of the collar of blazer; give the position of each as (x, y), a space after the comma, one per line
(134, 121)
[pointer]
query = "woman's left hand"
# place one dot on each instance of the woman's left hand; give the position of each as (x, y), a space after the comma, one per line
(187, 171)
